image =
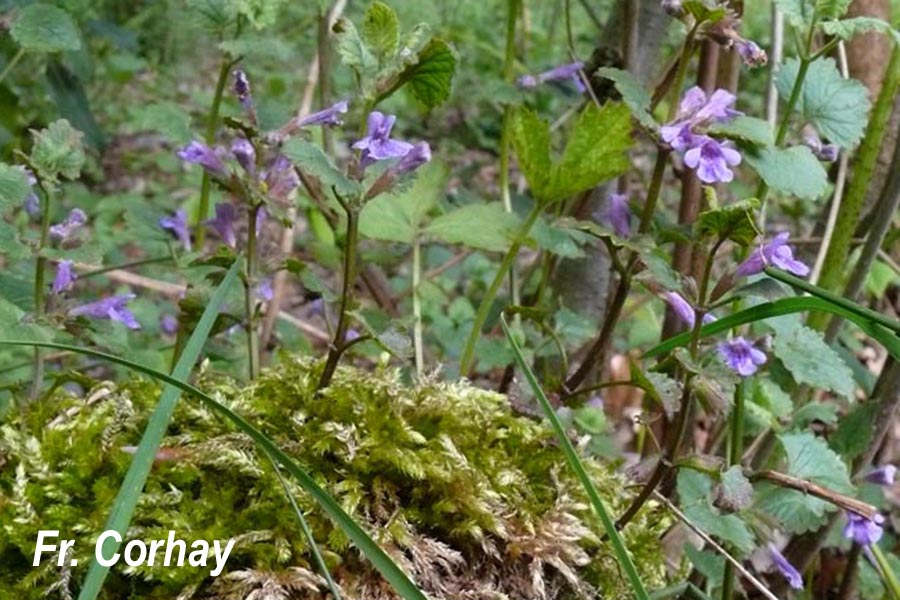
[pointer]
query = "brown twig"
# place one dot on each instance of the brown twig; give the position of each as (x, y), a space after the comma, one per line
(814, 489)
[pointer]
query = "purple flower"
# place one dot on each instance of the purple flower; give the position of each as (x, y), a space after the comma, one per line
(697, 111)
(826, 152)
(243, 151)
(617, 214)
(113, 308)
(65, 277)
(751, 53)
(351, 335)
(317, 307)
(863, 531)
(685, 311)
(201, 154)
(223, 224)
(177, 226)
(377, 144)
(787, 569)
(568, 71)
(778, 253)
(74, 221)
(882, 475)
(242, 88)
(417, 156)
(741, 356)
(168, 324)
(264, 290)
(711, 159)
(330, 116)
(281, 179)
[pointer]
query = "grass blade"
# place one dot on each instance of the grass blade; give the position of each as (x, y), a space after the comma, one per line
(379, 559)
(777, 308)
(127, 498)
(307, 532)
(572, 457)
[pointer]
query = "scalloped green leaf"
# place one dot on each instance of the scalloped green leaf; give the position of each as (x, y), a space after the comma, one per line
(836, 106)
(793, 171)
(13, 187)
(811, 361)
(635, 97)
(58, 150)
(430, 78)
(45, 28)
(849, 28)
(381, 29)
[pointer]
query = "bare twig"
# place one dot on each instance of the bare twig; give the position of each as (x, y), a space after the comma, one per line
(813, 489)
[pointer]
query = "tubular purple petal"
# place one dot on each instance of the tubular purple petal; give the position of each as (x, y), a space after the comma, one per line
(882, 475)
(863, 531)
(113, 308)
(244, 153)
(177, 226)
(65, 277)
(617, 214)
(794, 579)
(223, 223)
(330, 116)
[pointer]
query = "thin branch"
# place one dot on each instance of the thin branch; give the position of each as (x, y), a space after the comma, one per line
(737, 564)
(849, 503)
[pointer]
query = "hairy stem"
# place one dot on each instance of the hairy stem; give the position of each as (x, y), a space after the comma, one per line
(212, 122)
(468, 354)
(40, 268)
(885, 209)
(349, 275)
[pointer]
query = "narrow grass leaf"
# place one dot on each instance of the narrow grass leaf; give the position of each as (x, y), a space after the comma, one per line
(572, 457)
(785, 306)
(127, 498)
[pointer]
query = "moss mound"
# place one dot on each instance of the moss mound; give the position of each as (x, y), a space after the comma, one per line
(471, 499)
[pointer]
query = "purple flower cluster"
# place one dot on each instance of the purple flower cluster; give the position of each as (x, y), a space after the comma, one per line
(709, 157)
(777, 252)
(568, 71)
(751, 53)
(113, 308)
(75, 220)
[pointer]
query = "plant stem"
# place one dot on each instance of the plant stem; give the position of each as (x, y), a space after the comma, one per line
(212, 121)
(250, 295)
(512, 11)
(40, 268)
(468, 354)
(349, 273)
(12, 63)
(596, 354)
(863, 167)
(735, 451)
(887, 573)
(417, 306)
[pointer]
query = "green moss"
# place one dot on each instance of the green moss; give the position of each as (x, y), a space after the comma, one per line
(464, 494)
